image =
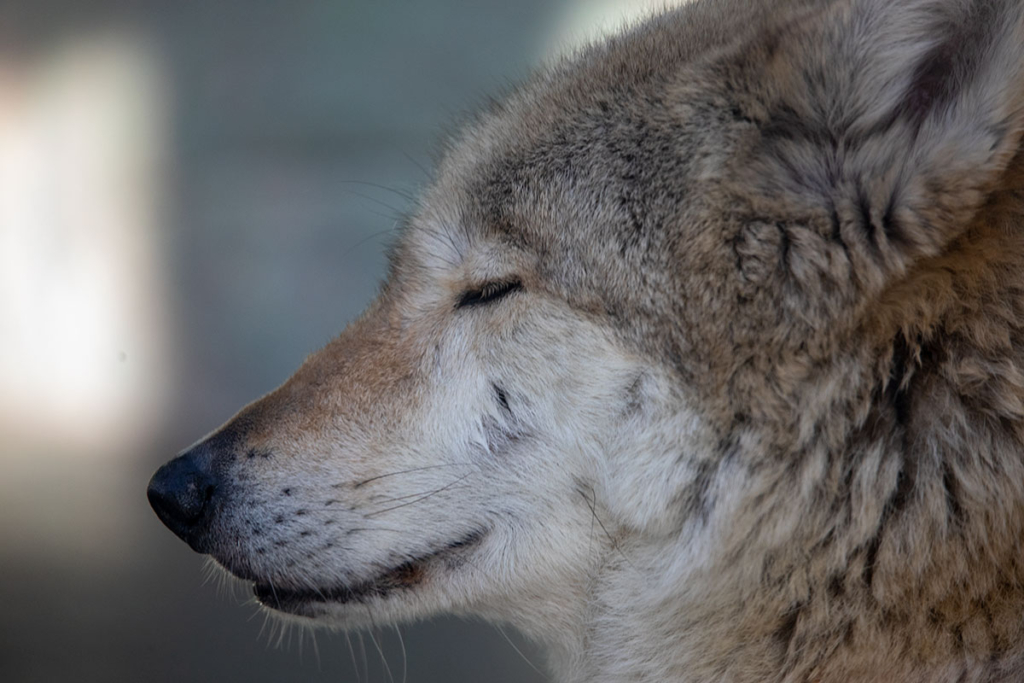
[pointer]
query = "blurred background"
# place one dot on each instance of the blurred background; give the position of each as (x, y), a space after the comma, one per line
(193, 197)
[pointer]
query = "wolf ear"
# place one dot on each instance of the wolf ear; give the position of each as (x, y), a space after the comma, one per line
(894, 119)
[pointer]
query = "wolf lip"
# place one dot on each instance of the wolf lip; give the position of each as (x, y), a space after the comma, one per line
(300, 601)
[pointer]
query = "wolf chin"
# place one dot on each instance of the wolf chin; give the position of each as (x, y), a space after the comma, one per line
(701, 359)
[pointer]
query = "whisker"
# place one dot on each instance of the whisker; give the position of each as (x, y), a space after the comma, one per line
(590, 539)
(316, 648)
(277, 601)
(395, 499)
(352, 652)
(362, 649)
(370, 198)
(417, 500)
(451, 239)
(392, 474)
(446, 241)
(380, 650)
(405, 658)
(426, 171)
(263, 626)
(401, 193)
(593, 510)
(518, 651)
(366, 239)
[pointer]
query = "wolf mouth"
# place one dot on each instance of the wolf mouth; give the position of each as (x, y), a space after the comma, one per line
(301, 601)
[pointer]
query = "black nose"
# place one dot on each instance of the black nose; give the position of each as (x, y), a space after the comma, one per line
(182, 495)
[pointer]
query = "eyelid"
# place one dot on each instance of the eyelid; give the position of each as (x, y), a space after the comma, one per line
(489, 292)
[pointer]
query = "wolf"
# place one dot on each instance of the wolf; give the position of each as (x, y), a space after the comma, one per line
(700, 359)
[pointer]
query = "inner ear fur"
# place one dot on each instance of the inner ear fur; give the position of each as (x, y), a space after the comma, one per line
(876, 129)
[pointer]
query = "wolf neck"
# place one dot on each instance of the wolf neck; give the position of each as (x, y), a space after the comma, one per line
(899, 531)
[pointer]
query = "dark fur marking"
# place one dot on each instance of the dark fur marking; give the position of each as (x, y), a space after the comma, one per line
(890, 225)
(786, 630)
(950, 66)
(827, 540)
(695, 498)
(501, 435)
(786, 124)
(502, 398)
(472, 539)
(300, 513)
(897, 395)
(952, 489)
(286, 492)
(930, 86)
(784, 247)
(864, 210)
(737, 114)
(837, 226)
(634, 396)
(897, 392)
(896, 504)
(835, 586)
(848, 633)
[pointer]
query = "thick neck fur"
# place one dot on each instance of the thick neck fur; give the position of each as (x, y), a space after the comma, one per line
(898, 541)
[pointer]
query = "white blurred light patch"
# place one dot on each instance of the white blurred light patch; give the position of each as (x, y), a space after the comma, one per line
(83, 323)
(584, 21)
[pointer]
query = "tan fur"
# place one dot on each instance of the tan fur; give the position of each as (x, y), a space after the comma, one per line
(754, 410)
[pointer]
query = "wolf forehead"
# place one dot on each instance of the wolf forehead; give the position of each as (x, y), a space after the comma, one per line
(631, 121)
(584, 180)
(580, 152)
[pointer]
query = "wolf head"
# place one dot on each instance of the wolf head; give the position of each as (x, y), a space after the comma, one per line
(650, 335)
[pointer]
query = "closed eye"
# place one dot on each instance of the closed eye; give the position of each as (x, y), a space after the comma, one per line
(492, 291)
